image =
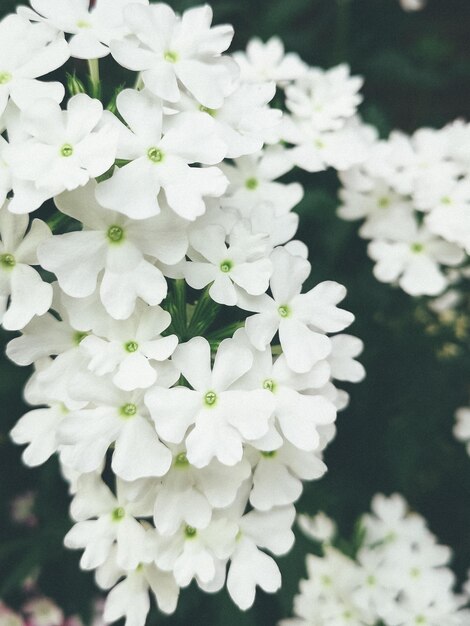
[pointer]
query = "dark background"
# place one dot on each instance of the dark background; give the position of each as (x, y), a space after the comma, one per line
(397, 433)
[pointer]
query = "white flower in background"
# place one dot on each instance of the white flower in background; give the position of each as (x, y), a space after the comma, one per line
(171, 51)
(325, 99)
(28, 52)
(301, 319)
(342, 359)
(63, 149)
(244, 121)
(395, 579)
(318, 527)
(23, 294)
(242, 263)
(268, 61)
(462, 426)
(413, 5)
(413, 259)
(92, 29)
(222, 416)
(162, 161)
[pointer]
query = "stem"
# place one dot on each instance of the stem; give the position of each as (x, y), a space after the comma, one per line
(225, 332)
(94, 72)
(204, 314)
(56, 221)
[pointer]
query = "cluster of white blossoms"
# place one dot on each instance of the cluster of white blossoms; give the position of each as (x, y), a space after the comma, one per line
(182, 373)
(413, 5)
(413, 195)
(397, 576)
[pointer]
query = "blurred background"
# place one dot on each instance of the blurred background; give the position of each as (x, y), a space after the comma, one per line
(396, 434)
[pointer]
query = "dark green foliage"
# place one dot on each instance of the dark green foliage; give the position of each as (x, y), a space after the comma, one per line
(397, 433)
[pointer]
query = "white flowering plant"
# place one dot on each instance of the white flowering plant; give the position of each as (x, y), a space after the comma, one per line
(393, 572)
(183, 373)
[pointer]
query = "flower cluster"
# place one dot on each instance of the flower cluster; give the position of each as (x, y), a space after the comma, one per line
(182, 372)
(413, 5)
(398, 576)
(413, 194)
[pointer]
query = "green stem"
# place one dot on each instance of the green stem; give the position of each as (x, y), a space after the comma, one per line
(94, 72)
(204, 314)
(227, 331)
(56, 221)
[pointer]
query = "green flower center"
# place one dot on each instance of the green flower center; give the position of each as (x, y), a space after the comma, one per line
(118, 514)
(383, 202)
(83, 24)
(171, 56)
(269, 384)
(155, 155)
(7, 261)
(326, 580)
(181, 460)
(79, 336)
(115, 234)
(269, 455)
(251, 184)
(417, 248)
(5, 77)
(446, 200)
(131, 346)
(420, 619)
(128, 410)
(190, 532)
(226, 266)
(210, 398)
(319, 144)
(371, 580)
(211, 112)
(284, 310)
(415, 572)
(66, 150)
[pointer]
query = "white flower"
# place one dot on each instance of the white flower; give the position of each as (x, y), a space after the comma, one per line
(243, 263)
(191, 553)
(23, 294)
(64, 149)
(315, 150)
(462, 426)
(222, 417)
(325, 98)
(188, 495)
(115, 244)
(131, 347)
(115, 522)
(170, 51)
(344, 349)
(253, 182)
(244, 121)
(92, 29)
(413, 260)
(162, 161)
(318, 527)
(268, 61)
(129, 599)
(278, 475)
(28, 52)
(301, 319)
(413, 5)
(249, 565)
(113, 417)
